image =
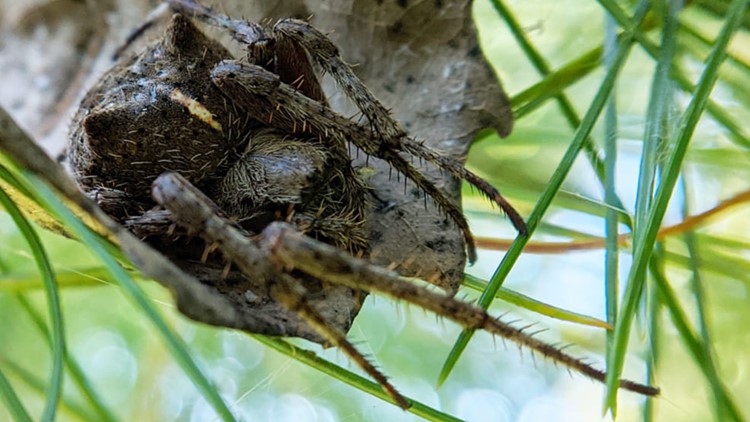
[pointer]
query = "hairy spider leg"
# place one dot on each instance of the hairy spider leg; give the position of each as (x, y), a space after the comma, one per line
(197, 213)
(261, 93)
(388, 130)
(283, 52)
(288, 249)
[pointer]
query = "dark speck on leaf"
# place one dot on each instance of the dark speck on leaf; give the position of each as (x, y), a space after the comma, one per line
(403, 3)
(396, 28)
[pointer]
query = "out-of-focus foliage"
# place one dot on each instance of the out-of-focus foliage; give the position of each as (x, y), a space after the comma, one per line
(701, 266)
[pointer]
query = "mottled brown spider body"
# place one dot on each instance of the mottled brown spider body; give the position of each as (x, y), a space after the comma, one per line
(160, 111)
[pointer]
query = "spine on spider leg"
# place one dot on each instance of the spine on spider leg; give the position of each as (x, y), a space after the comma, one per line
(443, 202)
(459, 171)
(261, 93)
(293, 296)
(191, 208)
(326, 55)
(330, 264)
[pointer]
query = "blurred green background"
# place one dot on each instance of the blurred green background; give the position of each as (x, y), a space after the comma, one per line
(136, 377)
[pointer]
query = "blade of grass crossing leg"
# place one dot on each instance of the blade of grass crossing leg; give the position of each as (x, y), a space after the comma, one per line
(57, 340)
(550, 191)
(644, 245)
(174, 343)
(656, 129)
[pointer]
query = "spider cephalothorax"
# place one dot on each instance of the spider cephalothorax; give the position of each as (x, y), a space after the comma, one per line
(253, 142)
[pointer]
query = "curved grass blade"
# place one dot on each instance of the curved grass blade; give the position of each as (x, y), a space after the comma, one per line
(645, 243)
(14, 405)
(68, 408)
(576, 145)
(174, 343)
(57, 339)
(534, 305)
(77, 375)
(18, 145)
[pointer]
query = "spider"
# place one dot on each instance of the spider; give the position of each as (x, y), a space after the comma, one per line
(183, 139)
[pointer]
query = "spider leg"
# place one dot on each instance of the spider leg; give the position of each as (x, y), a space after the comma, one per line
(195, 212)
(264, 96)
(241, 30)
(292, 295)
(282, 246)
(325, 53)
(293, 249)
(388, 130)
(457, 169)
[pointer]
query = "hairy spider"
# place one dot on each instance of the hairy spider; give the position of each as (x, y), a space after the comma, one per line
(247, 155)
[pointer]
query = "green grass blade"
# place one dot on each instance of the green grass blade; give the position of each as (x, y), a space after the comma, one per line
(611, 233)
(564, 103)
(732, 58)
(309, 358)
(645, 243)
(14, 405)
(77, 375)
(654, 346)
(659, 103)
(656, 129)
(175, 345)
(555, 83)
(57, 340)
(534, 305)
(550, 191)
(697, 350)
(736, 131)
(723, 405)
(87, 277)
(68, 408)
